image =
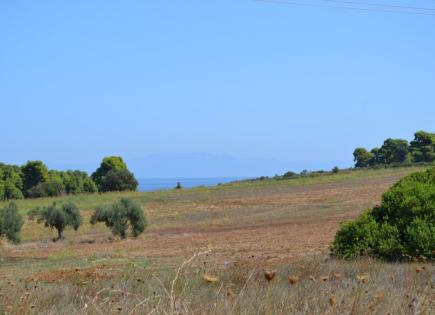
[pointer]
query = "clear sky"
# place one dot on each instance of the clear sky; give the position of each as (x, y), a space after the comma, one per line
(83, 79)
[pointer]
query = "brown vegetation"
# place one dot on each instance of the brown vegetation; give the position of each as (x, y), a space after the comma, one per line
(248, 249)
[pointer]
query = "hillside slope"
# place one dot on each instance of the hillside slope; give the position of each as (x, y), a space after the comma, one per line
(272, 220)
(244, 230)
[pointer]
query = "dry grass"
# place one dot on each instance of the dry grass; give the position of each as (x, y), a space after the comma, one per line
(269, 243)
(299, 288)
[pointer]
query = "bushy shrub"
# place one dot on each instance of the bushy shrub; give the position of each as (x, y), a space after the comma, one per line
(50, 188)
(402, 226)
(421, 238)
(58, 217)
(11, 222)
(121, 216)
(356, 238)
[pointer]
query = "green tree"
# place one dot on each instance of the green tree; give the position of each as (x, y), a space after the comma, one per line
(77, 182)
(110, 163)
(34, 172)
(53, 186)
(362, 157)
(397, 151)
(394, 151)
(11, 183)
(377, 157)
(11, 190)
(423, 147)
(11, 222)
(289, 174)
(121, 216)
(118, 180)
(113, 175)
(89, 185)
(59, 218)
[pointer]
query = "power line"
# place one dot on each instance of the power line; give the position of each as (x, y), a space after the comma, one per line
(294, 3)
(373, 4)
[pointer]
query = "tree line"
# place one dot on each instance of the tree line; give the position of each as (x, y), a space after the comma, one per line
(398, 151)
(34, 180)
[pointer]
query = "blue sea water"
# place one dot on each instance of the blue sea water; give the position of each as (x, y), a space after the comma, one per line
(152, 184)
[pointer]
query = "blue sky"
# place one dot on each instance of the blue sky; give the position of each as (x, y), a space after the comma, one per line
(80, 80)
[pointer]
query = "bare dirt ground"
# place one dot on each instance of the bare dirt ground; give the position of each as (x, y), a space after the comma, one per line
(266, 225)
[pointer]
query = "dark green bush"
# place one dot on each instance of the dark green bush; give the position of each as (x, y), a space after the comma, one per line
(420, 238)
(402, 226)
(356, 238)
(121, 216)
(11, 222)
(58, 217)
(49, 188)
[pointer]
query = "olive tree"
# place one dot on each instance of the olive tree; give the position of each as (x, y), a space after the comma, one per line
(121, 216)
(10, 222)
(58, 217)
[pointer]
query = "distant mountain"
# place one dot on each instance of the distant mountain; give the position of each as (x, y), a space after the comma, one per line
(205, 165)
(199, 165)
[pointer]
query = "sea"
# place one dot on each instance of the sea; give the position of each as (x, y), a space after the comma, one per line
(154, 184)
